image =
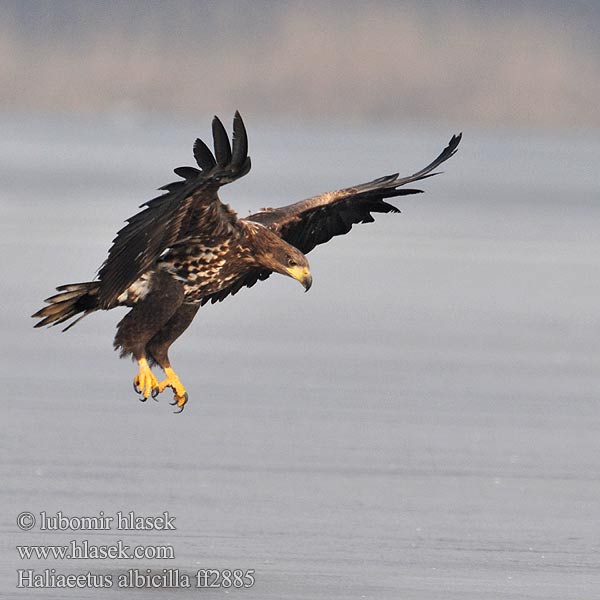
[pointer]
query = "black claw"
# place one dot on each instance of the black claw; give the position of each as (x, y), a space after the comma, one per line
(182, 406)
(142, 399)
(155, 393)
(136, 389)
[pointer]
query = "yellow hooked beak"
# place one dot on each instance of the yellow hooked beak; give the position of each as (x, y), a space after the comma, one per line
(301, 274)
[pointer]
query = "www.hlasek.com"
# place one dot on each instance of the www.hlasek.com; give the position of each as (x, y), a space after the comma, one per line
(83, 550)
(133, 578)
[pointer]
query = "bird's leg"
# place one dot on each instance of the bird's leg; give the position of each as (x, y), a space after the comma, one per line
(173, 381)
(148, 315)
(158, 349)
(145, 382)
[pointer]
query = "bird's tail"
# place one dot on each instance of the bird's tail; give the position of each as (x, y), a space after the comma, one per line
(74, 298)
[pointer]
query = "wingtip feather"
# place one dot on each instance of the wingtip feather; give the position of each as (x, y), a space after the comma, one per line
(221, 143)
(203, 155)
(240, 141)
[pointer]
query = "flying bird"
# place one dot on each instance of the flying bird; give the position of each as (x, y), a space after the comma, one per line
(187, 248)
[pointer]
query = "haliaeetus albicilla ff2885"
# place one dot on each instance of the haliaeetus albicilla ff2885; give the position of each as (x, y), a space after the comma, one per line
(187, 248)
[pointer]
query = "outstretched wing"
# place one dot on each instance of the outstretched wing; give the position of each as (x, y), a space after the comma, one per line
(316, 220)
(189, 209)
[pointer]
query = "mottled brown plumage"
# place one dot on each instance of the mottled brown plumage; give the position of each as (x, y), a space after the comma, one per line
(186, 248)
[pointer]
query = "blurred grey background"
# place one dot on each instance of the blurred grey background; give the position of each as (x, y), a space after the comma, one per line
(518, 63)
(424, 423)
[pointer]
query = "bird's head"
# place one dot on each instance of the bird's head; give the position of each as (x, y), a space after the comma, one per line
(284, 258)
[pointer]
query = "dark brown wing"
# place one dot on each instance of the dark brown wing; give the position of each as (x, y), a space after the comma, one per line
(189, 208)
(316, 220)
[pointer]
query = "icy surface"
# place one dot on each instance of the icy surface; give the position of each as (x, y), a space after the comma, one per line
(422, 424)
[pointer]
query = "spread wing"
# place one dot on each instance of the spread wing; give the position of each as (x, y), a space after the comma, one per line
(188, 209)
(316, 220)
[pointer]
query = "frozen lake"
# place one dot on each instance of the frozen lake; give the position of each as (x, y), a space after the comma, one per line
(422, 424)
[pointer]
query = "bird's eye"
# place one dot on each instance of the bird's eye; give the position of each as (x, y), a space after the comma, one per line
(292, 262)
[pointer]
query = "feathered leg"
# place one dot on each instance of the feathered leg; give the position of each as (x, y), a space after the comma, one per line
(148, 315)
(158, 350)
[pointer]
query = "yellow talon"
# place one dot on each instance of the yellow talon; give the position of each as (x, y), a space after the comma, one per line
(145, 382)
(172, 381)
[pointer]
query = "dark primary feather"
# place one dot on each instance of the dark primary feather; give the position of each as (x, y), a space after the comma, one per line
(186, 172)
(240, 141)
(316, 220)
(222, 147)
(204, 157)
(189, 208)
